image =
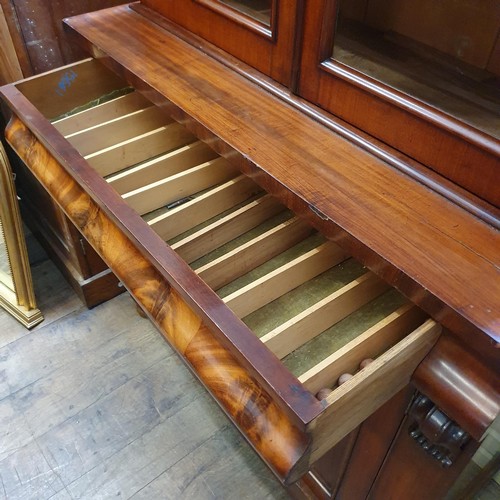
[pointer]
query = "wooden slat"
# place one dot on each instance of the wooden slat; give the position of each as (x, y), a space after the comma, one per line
(203, 207)
(162, 166)
(316, 319)
(360, 396)
(101, 113)
(370, 344)
(120, 129)
(285, 278)
(227, 228)
(138, 149)
(253, 253)
(187, 183)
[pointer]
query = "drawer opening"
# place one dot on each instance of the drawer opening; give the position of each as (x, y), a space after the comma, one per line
(313, 306)
(340, 333)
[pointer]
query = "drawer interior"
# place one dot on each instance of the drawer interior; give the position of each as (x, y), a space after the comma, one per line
(343, 334)
(69, 88)
(329, 319)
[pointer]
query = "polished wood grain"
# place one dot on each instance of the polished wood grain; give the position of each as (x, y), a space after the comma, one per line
(321, 177)
(463, 385)
(424, 175)
(431, 137)
(270, 51)
(412, 240)
(277, 436)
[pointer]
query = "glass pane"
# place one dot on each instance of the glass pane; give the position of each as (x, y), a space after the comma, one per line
(257, 9)
(445, 53)
(5, 271)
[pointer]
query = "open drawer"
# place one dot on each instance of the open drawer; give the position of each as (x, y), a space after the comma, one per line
(266, 311)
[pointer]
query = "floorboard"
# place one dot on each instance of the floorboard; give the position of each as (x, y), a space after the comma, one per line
(94, 404)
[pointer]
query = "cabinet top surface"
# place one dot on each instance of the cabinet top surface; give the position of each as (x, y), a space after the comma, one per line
(443, 249)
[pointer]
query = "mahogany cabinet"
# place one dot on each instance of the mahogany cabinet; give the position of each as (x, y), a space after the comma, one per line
(311, 275)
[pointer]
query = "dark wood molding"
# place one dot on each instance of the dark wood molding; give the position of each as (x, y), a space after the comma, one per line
(466, 387)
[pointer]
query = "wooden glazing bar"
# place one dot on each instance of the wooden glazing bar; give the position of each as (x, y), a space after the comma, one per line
(227, 228)
(253, 253)
(369, 345)
(140, 148)
(101, 113)
(120, 129)
(203, 207)
(162, 166)
(360, 396)
(287, 277)
(325, 313)
(187, 183)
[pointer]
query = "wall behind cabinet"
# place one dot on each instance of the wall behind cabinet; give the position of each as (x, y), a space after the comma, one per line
(35, 35)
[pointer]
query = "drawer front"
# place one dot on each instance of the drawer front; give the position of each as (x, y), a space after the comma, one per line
(272, 317)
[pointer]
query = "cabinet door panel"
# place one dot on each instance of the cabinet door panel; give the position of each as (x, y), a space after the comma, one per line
(365, 63)
(262, 33)
(411, 473)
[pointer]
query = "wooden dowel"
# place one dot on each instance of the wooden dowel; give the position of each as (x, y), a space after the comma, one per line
(255, 252)
(316, 319)
(285, 278)
(127, 153)
(120, 129)
(101, 113)
(227, 228)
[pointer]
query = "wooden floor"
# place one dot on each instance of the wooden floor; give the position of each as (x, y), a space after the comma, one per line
(95, 404)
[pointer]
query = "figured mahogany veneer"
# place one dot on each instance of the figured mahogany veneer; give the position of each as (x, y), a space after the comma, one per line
(278, 437)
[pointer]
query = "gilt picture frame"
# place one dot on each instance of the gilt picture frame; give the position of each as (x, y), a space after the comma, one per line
(16, 286)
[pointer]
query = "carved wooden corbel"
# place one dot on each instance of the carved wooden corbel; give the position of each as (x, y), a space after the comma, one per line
(435, 432)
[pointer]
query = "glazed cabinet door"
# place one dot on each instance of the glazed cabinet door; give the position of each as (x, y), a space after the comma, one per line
(420, 76)
(261, 33)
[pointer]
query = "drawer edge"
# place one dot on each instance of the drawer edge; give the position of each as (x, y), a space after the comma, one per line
(355, 400)
(279, 437)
